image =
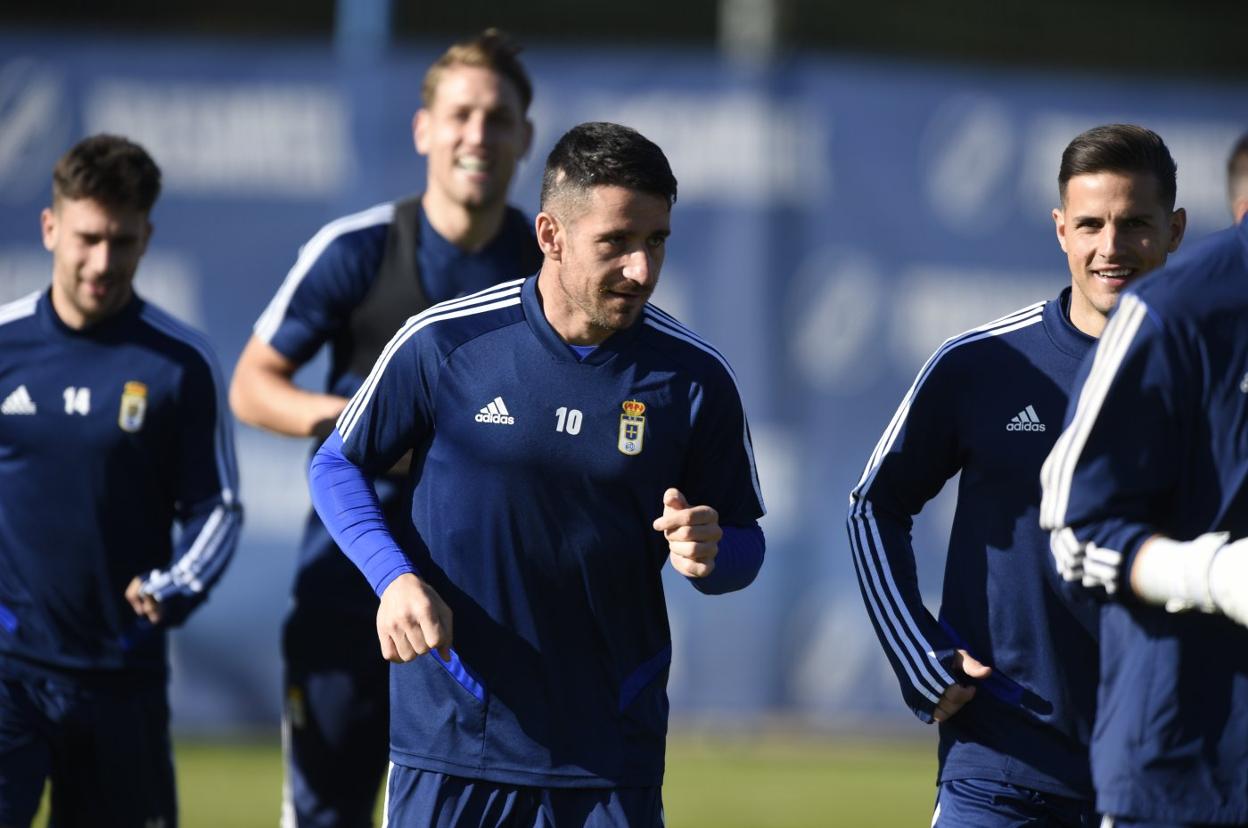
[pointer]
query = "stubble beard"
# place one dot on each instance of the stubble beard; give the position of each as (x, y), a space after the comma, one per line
(591, 305)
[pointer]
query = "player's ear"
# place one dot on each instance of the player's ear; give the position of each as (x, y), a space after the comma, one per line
(47, 223)
(549, 236)
(1178, 226)
(1059, 222)
(420, 131)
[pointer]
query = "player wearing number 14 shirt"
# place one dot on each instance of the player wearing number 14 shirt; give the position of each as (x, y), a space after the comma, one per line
(113, 430)
(568, 439)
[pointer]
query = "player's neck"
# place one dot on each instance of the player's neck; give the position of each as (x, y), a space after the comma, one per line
(467, 228)
(1085, 317)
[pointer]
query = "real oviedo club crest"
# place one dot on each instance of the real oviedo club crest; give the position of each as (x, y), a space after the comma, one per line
(632, 427)
(133, 406)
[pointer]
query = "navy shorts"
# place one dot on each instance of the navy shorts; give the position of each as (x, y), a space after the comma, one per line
(335, 718)
(434, 800)
(106, 751)
(986, 803)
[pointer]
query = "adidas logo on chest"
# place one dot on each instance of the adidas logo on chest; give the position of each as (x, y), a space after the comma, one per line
(1025, 420)
(496, 412)
(18, 403)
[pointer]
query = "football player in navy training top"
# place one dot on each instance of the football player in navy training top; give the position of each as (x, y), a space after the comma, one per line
(1008, 669)
(352, 287)
(1146, 492)
(568, 437)
(113, 428)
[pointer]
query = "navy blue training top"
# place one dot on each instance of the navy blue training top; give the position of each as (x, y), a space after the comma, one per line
(108, 436)
(1158, 443)
(333, 274)
(987, 404)
(536, 479)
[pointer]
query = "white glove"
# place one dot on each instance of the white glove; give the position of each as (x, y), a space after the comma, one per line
(1228, 581)
(1206, 574)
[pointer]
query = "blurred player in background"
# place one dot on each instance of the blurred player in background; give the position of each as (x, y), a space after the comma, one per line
(1007, 669)
(113, 427)
(1146, 492)
(1237, 179)
(568, 438)
(353, 285)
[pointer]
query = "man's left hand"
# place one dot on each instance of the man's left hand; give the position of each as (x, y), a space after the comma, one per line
(692, 534)
(142, 603)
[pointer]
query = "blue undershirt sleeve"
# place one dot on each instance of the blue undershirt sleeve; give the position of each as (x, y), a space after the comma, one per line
(740, 557)
(347, 503)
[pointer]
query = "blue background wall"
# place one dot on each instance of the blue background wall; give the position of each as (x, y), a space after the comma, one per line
(837, 219)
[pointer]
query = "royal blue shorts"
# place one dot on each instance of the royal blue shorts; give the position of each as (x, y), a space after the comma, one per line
(434, 800)
(106, 751)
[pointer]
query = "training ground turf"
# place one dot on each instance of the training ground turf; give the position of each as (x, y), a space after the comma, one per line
(767, 781)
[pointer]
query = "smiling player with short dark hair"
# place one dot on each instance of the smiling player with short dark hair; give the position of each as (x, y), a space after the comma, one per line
(1007, 668)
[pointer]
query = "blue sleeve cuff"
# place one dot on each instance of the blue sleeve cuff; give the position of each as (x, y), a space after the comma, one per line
(737, 563)
(348, 506)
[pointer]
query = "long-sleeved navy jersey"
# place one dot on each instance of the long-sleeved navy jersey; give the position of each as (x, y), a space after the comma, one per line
(1157, 442)
(318, 303)
(987, 404)
(108, 436)
(536, 478)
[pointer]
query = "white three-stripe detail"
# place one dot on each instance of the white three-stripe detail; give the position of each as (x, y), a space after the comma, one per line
(214, 545)
(662, 321)
(1029, 315)
(19, 308)
(504, 295)
(1058, 470)
(271, 319)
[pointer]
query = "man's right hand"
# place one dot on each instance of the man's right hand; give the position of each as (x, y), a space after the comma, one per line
(412, 620)
(957, 695)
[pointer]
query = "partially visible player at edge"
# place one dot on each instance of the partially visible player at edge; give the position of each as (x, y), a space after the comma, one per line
(113, 428)
(1007, 669)
(354, 284)
(1237, 179)
(1146, 494)
(568, 438)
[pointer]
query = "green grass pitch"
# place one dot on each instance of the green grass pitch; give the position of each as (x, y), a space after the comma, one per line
(766, 781)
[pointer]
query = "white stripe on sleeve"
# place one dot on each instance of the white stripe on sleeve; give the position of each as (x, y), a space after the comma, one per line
(1057, 473)
(504, 295)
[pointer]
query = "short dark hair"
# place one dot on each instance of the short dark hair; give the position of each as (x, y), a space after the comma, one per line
(1237, 169)
(1120, 148)
(493, 49)
(109, 169)
(599, 154)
